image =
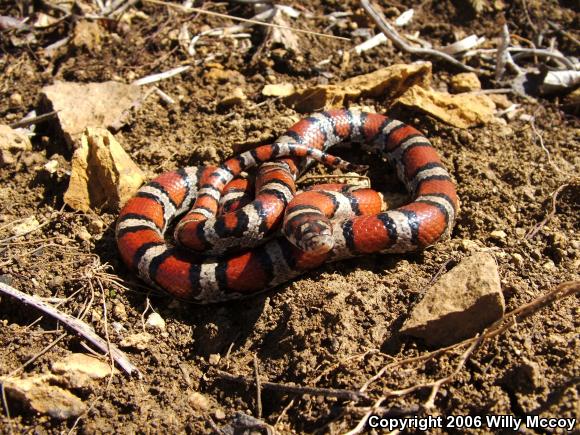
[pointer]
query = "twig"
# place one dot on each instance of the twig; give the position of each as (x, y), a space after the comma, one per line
(284, 411)
(434, 385)
(258, 388)
(75, 324)
(293, 389)
(363, 421)
(401, 44)
(564, 32)
(542, 52)
(37, 355)
(430, 403)
(244, 20)
(532, 233)
(160, 76)
(34, 120)
(541, 140)
(562, 291)
(36, 228)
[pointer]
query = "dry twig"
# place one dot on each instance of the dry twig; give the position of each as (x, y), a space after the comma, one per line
(243, 20)
(258, 387)
(75, 324)
(292, 389)
(401, 44)
(532, 233)
(515, 316)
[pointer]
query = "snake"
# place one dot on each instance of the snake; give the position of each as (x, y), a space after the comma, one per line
(227, 245)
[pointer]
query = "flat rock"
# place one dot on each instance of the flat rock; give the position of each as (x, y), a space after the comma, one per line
(278, 90)
(461, 304)
(102, 175)
(83, 364)
(82, 105)
(385, 83)
(38, 394)
(459, 110)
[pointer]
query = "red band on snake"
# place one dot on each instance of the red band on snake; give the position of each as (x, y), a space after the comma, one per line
(144, 220)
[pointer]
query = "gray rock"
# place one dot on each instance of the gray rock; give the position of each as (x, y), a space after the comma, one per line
(38, 393)
(462, 303)
(81, 105)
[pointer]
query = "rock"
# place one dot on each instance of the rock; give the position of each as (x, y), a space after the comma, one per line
(385, 83)
(198, 401)
(84, 235)
(501, 101)
(237, 97)
(37, 393)
(15, 100)
(214, 359)
(87, 35)
(278, 90)
(465, 82)
(461, 110)
(51, 166)
(155, 321)
(12, 142)
(518, 259)
(137, 341)
(219, 414)
(119, 311)
(80, 368)
(82, 105)
(462, 303)
(102, 175)
(498, 235)
(26, 226)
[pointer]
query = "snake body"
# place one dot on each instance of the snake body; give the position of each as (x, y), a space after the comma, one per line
(314, 233)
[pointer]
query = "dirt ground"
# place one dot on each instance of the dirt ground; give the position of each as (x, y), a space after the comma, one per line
(334, 327)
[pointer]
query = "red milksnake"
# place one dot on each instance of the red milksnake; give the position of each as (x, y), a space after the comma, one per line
(272, 260)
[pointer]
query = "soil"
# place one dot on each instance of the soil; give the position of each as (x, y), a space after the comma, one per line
(334, 327)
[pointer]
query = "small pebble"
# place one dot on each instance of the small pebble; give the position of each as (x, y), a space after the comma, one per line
(219, 414)
(15, 100)
(119, 311)
(517, 259)
(498, 234)
(154, 320)
(198, 401)
(214, 359)
(549, 265)
(84, 235)
(51, 166)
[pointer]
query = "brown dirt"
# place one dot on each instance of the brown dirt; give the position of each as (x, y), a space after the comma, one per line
(336, 326)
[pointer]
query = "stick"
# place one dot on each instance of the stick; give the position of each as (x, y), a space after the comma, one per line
(34, 120)
(401, 44)
(293, 389)
(161, 76)
(243, 20)
(562, 291)
(75, 324)
(258, 387)
(550, 215)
